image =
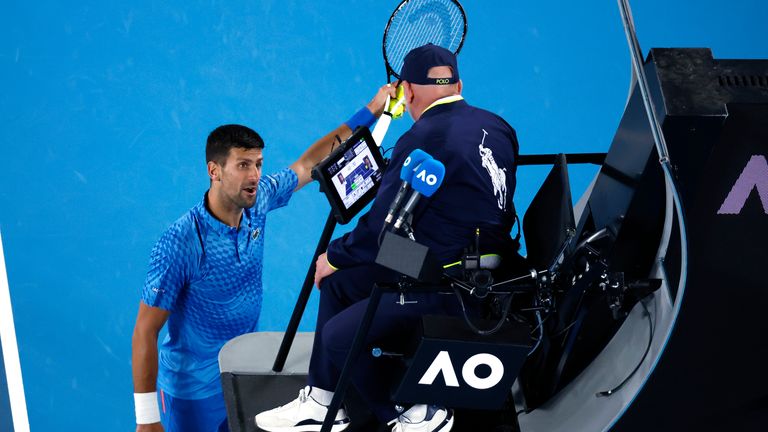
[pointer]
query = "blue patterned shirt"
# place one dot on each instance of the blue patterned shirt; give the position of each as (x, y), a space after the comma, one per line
(208, 275)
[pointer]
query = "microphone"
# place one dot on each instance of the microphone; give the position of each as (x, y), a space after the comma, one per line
(426, 180)
(413, 161)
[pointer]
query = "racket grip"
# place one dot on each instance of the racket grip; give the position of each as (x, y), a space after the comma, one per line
(380, 129)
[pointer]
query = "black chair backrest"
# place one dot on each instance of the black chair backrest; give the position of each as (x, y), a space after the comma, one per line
(549, 220)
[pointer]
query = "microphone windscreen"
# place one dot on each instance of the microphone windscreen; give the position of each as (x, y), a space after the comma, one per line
(428, 177)
(412, 161)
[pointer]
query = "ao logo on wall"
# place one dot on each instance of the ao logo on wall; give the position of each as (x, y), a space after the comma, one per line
(753, 176)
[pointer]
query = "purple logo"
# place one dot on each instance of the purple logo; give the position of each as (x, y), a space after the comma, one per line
(755, 175)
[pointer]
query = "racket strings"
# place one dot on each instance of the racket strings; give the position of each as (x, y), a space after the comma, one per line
(424, 26)
(419, 22)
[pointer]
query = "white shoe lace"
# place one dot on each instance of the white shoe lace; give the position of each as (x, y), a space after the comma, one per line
(397, 427)
(399, 423)
(303, 395)
(298, 401)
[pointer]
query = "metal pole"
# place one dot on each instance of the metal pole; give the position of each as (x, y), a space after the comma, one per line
(358, 343)
(572, 158)
(642, 79)
(661, 149)
(661, 144)
(301, 302)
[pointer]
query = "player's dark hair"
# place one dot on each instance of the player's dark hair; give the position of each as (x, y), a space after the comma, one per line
(226, 137)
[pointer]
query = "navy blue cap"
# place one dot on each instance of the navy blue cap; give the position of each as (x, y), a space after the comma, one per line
(419, 61)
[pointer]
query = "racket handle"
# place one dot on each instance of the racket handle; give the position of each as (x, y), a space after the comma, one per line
(381, 128)
(393, 109)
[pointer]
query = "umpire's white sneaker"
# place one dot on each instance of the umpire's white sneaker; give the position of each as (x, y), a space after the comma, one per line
(305, 414)
(424, 418)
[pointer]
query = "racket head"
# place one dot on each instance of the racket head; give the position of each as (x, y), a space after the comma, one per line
(418, 22)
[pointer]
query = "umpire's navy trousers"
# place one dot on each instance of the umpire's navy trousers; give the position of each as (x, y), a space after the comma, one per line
(343, 301)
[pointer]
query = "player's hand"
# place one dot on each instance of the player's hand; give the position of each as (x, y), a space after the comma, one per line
(322, 269)
(376, 105)
(152, 427)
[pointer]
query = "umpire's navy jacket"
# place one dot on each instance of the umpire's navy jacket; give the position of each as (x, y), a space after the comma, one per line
(479, 150)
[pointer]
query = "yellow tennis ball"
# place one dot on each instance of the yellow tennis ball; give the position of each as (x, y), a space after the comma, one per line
(398, 111)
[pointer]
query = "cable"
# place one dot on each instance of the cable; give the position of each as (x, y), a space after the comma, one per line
(333, 143)
(541, 333)
(596, 236)
(496, 328)
(560, 333)
(647, 349)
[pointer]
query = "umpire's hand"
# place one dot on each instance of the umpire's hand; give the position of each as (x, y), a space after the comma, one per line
(322, 269)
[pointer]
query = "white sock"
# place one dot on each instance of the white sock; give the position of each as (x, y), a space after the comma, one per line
(323, 397)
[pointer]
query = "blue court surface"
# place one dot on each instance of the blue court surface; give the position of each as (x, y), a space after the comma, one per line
(105, 108)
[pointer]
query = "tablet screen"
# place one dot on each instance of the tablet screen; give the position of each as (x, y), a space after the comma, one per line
(351, 175)
(355, 173)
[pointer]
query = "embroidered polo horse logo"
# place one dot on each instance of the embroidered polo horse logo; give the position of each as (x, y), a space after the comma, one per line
(498, 175)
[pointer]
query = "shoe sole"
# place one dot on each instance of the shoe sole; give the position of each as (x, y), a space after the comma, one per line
(305, 428)
(447, 426)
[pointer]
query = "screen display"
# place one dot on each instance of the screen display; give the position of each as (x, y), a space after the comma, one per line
(351, 175)
(354, 173)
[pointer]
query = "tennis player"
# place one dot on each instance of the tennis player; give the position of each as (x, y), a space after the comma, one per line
(204, 278)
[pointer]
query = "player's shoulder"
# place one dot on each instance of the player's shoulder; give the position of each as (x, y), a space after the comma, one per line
(275, 190)
(285, 175)
(183, 232)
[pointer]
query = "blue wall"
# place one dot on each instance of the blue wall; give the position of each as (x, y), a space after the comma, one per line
(105, 107)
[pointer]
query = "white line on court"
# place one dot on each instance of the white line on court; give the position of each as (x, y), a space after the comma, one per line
(11, 353)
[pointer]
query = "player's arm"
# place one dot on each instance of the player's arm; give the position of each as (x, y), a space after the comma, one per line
(321, 148)
(144, 360)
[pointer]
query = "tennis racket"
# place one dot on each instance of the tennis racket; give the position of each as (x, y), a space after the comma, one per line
(415, 23)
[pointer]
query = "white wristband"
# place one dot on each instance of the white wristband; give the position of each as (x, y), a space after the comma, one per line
(147, 411)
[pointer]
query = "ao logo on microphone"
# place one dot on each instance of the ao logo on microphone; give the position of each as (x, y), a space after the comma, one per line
(442, 364)
(429, 179)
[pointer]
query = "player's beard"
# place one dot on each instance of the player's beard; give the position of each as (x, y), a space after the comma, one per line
(244, 199)
(240, 199)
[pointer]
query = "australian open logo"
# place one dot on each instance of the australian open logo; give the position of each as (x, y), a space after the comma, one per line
(442, 365)
(753, 176)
